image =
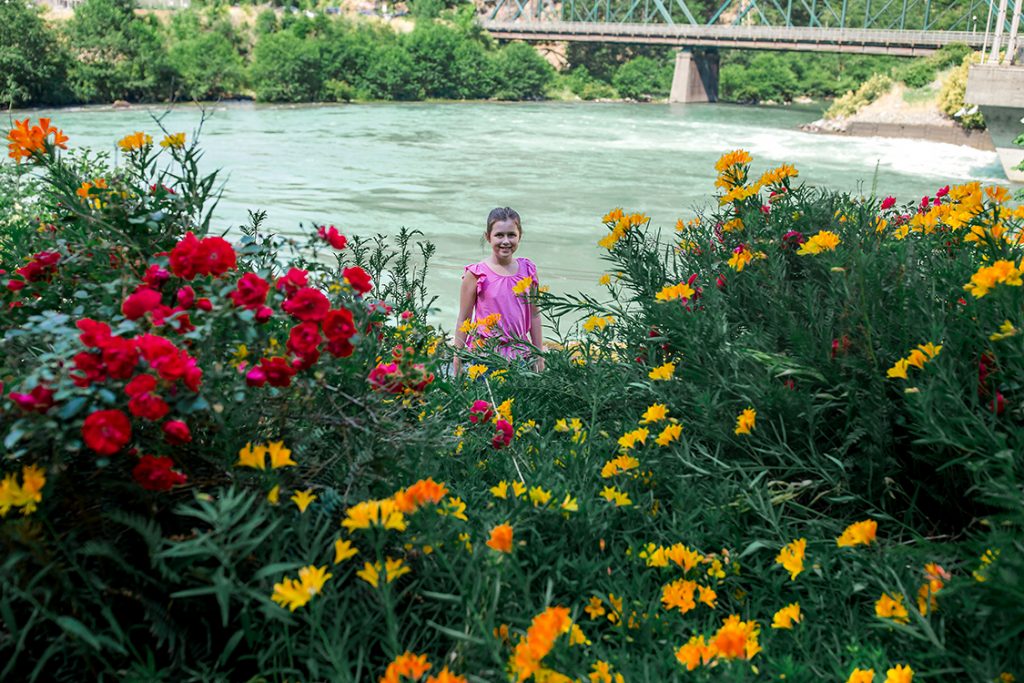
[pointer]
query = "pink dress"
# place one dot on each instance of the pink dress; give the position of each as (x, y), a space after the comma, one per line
(494, 295)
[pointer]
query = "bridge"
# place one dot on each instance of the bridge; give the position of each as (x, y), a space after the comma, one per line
(699, 27)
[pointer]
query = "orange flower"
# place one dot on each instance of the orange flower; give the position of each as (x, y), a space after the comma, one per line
(419, 494)
(736, 639)
(501, 538)
(861, 676)
(891, 607)
(540, 638)
(446, 676)
(406, 664)
(695, 653)
(679, 594)
(24, 141)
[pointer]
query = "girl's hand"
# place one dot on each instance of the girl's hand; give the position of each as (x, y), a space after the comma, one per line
(538, 365)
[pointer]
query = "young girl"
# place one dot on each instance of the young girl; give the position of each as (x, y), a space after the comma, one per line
(487, 289)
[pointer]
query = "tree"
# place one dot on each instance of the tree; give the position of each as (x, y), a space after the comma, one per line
(286, 68)
(642, 78)
(521, 73)
(432, 48)
(392, 75)
(208, 66)
(117, 55)
(32, 64)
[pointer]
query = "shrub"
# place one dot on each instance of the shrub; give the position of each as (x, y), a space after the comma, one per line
(286, 68)
(951, 98)
(642, 78)
(521, 73)
(852, 102)
(209, 67)
(33, 63)
(392, 75)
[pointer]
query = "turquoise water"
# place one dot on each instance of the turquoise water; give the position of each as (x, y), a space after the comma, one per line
(440, 167)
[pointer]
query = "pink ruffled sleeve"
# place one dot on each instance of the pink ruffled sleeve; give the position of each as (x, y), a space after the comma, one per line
(530, 270)
(480, 272)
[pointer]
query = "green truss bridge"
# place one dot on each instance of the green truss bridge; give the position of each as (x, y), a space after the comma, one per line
(699, 27)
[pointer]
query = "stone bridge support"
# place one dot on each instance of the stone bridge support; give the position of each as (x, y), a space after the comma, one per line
(999, 91)
(696, 76)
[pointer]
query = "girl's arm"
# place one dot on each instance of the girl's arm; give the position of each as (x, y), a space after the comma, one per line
(467, 301)
(536, 331)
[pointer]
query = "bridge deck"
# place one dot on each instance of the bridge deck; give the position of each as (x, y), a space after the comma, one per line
(866, 41)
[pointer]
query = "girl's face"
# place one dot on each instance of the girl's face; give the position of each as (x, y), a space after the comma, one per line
(504, 239)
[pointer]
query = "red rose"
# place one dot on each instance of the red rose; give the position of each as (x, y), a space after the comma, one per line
(340, 347)
(386, 377)
(140, 384)
(251, 291)
(120, 357)
(358, 278)
(107, 431)
(154, 473)
(304, 339)
(292, 282)
(176, 433)
(307, 304)
(156, 276)
(140, 302)
(39, 399)
(888, 203)
(183, 257)
(332, 236)
(93, 333)
(148, 406)
(186, 297)
(215, 256)
(41, 267)
(338, 324)
(275, 370)
(90, 368)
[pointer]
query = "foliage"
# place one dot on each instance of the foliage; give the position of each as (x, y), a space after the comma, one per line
(32, 62)
(852, 102)
(643, 78)
(521, 73)
(951, 97)
(783, 76)
(792, 364)
(586, 87)
(286, 68)
(919, 72)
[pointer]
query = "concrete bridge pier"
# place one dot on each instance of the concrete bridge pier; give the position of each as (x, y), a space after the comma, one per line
(696, 76)
(999, 91)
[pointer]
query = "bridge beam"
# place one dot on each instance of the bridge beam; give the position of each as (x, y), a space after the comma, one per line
(696, 76)
(999, 92)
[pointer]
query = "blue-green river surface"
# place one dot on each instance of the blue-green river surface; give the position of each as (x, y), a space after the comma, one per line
(439, 168)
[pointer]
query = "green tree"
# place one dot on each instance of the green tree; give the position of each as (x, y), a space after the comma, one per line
(432, 48)
(642, 78)
(521, 73)
(208, 65)
(117, 54)
(392, 75)
(286, 68)
(32, 64)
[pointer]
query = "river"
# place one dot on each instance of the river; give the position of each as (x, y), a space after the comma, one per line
(440, 167)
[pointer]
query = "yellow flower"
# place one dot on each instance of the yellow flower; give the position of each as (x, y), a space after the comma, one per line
(662, 372)
(900, 674)
(274, 495)
(861, 676)
(930, 349)
(501, 490)
(279, 455)
(1006, 330)
(252, 456)
(605, 279)
(174, 141)
(917, 358)
(791, 557)
(474, 371)
(343, 549)
(681, 291)
(504, 409)
(740, 258)
(601, 672)
(135, 142)
(987, 559)
(622, 463)
(613, 216)
(654, 413)
(596, 608)
(454, 507)
(899, 369)
(294, 593)
(631, 438)
(738, 157)
(539, 496)
(787, 616)
(369, 513)
(859, 533)
(392, 569)
(823, 240)
(707, 596)
(596, 322)
(987, 277)
(745, 422)
(891, 607)
(523, 286)
(685, 557)
(776, 176)
(518, 488)
(302, 499)
(613, 495)
(412, 667)
(569, 504)
(669, 434)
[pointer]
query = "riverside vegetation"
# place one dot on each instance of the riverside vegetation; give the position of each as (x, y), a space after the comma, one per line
(107, 52)
(243, 459)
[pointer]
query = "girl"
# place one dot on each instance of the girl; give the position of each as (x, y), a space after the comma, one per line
(487, 289)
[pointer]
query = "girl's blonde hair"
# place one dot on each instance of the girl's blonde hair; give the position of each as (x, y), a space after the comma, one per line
(503, 213)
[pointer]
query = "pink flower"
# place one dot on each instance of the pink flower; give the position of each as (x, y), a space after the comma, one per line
(480, 412)
(332, 237)
(176, 432)
(503, 434)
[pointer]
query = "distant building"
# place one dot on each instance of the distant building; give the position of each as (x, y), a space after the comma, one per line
(144, 4)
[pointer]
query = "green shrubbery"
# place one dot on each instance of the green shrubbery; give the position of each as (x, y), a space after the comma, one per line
(852, 102)
(770, 371)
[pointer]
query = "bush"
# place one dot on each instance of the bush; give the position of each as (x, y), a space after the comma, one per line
(852, 102)
(951, 98)
(33, 63)
(392, 75)
(586, 87)
(286, 68)
(521, 73)
(642, 78)
(209, 67)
